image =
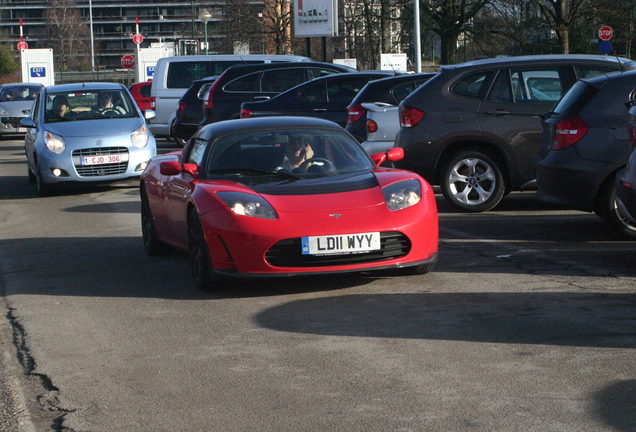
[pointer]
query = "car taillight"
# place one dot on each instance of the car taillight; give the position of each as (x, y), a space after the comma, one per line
(632, 136)
(208, 101)
(410, 116)
(355, 112)
(371, 126)
(568, 132)
(246, 113)
(153, 103)
(182, 106)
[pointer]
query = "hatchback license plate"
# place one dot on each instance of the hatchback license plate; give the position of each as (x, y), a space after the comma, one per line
(341, 244)
(100, 160)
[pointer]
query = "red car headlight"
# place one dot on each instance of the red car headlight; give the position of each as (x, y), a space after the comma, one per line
(402, 194)
(248, 205)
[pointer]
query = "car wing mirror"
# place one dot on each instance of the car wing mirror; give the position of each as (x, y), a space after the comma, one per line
(27, 122)
(392, 155)
(149, 114)
(173, 168)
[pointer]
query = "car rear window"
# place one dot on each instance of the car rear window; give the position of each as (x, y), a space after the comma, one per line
(575, 99)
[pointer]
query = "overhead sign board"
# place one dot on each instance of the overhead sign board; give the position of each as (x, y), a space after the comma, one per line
(315, 18)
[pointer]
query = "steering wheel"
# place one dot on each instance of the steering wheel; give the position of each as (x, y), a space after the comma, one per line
(110, 111)
(320, 165)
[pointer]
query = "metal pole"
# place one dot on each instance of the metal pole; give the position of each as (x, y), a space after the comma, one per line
(205, 28)
(418, 48)
(90, 12)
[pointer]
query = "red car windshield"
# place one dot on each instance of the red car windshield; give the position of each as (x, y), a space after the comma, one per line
(300, 153)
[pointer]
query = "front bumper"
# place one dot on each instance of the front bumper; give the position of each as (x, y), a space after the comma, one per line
(11, 125)
(115, 161)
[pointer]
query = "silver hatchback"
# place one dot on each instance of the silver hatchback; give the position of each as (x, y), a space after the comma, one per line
(91, 132)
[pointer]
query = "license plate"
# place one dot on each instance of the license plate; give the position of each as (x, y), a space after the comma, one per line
(341, 244)
(100, 160)
(21, 129)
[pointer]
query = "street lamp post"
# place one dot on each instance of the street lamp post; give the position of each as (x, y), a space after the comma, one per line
(205, 16)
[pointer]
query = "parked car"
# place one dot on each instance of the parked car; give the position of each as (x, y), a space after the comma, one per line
(259, 82)
(475, 128)
(326, 97)
(585, 144)
(384, 92)
(141, 94)
(239, 211)
(16, 101)
(383, 124)
(81, 133)
(174, 75)
(626, 187)
(190, 111)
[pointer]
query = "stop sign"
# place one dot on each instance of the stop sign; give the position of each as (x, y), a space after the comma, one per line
(605, 33)
(128, 61)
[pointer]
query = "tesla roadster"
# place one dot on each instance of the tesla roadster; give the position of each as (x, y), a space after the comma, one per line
(286, 196)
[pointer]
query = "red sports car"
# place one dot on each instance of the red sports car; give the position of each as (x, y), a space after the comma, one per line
(284, 196)
(141, 93)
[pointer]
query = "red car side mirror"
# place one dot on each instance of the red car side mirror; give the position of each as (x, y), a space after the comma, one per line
(392, 155)
(173, 168)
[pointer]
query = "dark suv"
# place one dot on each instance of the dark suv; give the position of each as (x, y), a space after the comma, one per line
(190, 110)
(259, 82)
(326, 97)
(475, 128)
(389, 91)
(585, 144)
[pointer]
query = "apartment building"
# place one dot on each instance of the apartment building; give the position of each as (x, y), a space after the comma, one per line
(65, 26)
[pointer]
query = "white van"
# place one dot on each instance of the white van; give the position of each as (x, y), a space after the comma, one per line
(174, 75)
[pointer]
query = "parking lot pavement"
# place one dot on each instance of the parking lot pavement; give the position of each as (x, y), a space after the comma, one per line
(14, 416)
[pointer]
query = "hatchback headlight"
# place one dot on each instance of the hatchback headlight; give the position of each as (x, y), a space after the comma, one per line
(140, 137)
(402, 194)
(54, 143)
(248, 205)
(4, 111)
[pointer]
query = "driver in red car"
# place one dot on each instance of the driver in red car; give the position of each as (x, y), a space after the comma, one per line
(297, 151)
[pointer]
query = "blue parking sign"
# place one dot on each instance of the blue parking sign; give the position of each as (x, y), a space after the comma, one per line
(150, 71)
(38, 72)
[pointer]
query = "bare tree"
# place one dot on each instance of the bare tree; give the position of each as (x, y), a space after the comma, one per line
(68, 34)
(449, 19)
(561, 16)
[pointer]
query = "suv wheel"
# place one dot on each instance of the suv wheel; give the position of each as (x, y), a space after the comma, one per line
(608, 210)
(472, 181)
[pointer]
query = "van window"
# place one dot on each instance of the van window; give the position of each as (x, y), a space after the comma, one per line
(584, 72)
(182, 74)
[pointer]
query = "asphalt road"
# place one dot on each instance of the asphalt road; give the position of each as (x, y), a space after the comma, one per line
(527, 324)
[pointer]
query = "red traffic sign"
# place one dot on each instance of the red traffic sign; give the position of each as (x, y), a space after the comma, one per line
(137, 38)
(605, 32)
(23, 45)
(128, 61)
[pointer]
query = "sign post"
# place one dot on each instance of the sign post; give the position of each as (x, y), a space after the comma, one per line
(605, 33)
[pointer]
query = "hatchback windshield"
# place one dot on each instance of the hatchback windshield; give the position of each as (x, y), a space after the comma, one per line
(293, 153)
(85, 105)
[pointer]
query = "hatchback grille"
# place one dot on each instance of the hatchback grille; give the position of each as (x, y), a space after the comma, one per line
(287, 253)
(103, 169)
